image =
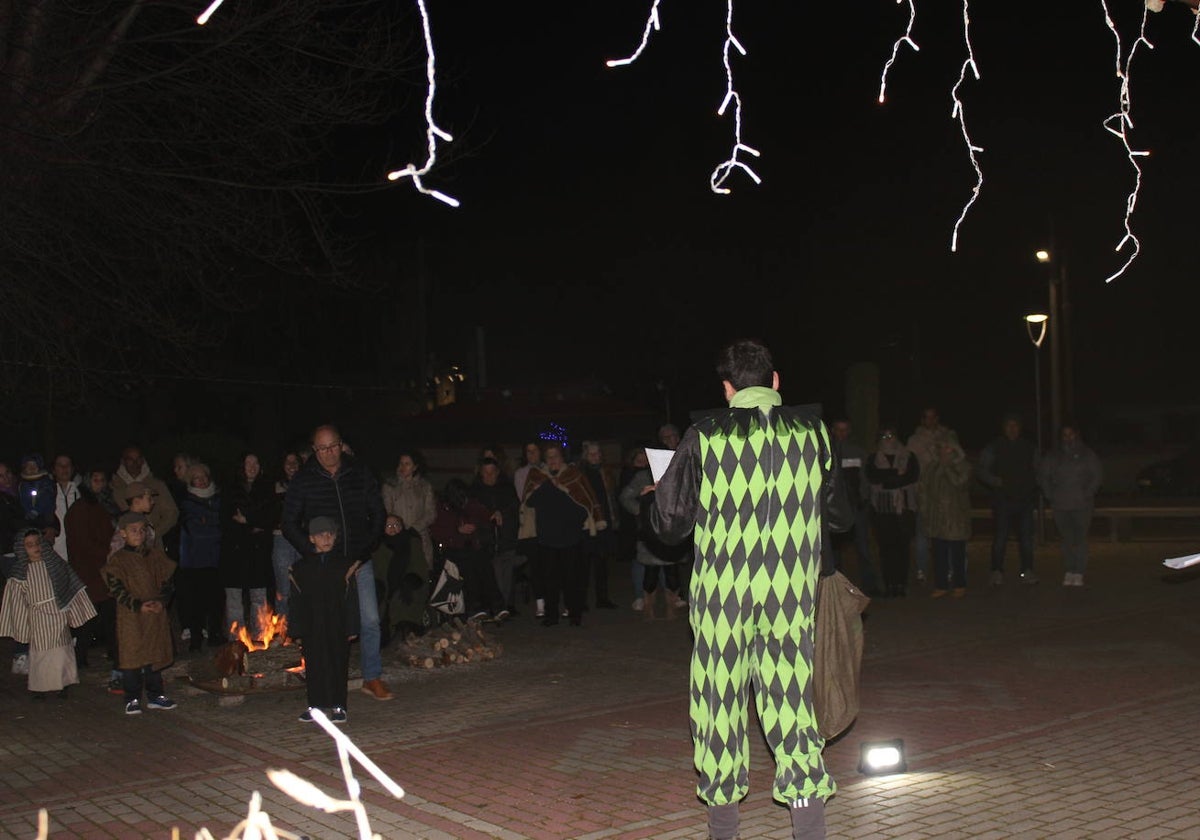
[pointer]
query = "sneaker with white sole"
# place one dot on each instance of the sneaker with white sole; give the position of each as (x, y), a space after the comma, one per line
(481, 615)
(133, 707)
(638, 603)
(920, 576)
(161, 703)
(20, 663)
(1069, 579)
(541, 608)
(1078, 580)
(338, 715)
(306, 715)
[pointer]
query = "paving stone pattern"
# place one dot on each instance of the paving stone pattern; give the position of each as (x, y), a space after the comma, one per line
(1027, 712)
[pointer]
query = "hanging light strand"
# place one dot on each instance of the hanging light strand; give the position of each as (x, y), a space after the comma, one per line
(906, 38)
(1119, 124)
(724, 170)
(209, 12)
(957, 112)
(652, 23)
(432, 132)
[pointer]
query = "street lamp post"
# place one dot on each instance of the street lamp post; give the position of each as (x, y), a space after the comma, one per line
(1035, 325)
(1057, 275)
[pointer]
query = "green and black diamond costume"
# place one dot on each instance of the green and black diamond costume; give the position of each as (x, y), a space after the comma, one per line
(746, 483)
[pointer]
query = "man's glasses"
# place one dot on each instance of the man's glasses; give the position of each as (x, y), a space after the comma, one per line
(886, 436)
(332, 447)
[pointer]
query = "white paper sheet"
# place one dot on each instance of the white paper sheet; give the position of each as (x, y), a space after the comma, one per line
(659, 460)
(1182, 562)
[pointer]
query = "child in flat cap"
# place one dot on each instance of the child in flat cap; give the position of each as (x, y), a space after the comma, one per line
(140, 578)
(323, 615)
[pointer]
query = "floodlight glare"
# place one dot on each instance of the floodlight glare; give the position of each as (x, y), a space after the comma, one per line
(880, 758)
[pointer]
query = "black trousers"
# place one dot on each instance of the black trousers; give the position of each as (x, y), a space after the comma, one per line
(565, 572)
(894, 532)
(201, 600)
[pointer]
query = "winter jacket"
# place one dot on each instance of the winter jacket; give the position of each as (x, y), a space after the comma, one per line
(246, 548)
(351, 497)
(200, 538)
(564, 512)
(650, 551)
(1070, 477)
(500, 498)
(1009, 468)
(945, 498)
(412, 500)
(36, 494)
(89, 532)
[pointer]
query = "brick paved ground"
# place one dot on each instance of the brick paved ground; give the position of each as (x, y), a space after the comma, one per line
(1028, 712)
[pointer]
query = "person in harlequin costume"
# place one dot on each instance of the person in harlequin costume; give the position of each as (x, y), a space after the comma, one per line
(746, 482)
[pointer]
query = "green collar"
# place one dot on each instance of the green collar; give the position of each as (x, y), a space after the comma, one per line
(756, 396)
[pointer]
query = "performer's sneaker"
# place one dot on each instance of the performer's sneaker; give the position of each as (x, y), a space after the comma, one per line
(133, 707)
(338, 715)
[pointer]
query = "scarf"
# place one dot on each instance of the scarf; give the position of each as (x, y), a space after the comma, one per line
(129, 479)
(901, 455)
(63, 580)
(756, 396)
(204, 492)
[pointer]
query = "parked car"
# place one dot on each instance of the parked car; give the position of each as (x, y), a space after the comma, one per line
(1178, 476)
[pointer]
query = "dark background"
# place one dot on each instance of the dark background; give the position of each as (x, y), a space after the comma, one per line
(589, 248)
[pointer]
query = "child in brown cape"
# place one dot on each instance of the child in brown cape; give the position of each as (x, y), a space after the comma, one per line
(140, 578)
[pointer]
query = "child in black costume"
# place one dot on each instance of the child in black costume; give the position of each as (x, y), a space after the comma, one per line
(323, 615)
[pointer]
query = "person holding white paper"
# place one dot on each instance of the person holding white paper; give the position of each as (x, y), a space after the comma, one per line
(753, 484)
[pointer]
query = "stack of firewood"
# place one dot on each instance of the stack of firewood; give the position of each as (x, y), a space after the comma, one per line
(453, 643)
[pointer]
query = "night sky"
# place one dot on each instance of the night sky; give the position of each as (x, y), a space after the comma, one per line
(589, 245)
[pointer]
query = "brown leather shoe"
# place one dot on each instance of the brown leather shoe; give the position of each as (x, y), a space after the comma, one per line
(377, 689)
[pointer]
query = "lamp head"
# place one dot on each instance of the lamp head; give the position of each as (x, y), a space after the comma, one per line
(1042, 256)
(1036, 317)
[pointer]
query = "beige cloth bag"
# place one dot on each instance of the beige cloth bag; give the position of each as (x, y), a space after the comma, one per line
(837, 653)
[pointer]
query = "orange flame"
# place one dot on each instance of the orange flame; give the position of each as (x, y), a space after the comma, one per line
(269, 625)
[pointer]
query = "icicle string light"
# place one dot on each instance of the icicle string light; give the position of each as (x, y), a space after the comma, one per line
(432, 132)
(652, 22)
(209, 12)
(906, 38)
(1119, 125)
(723, 171)
(958, 113)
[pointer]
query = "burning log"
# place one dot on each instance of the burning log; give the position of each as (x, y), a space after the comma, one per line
(246, 665)
(454, 643)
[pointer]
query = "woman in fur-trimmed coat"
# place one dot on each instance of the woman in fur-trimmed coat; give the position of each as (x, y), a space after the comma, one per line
(946, 514)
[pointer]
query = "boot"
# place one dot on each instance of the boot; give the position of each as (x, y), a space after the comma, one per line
(723, 821)
(672, 610)
(648, 606)
(808, 819)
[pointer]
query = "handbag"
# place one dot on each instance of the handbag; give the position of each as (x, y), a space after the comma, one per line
(837, 653)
